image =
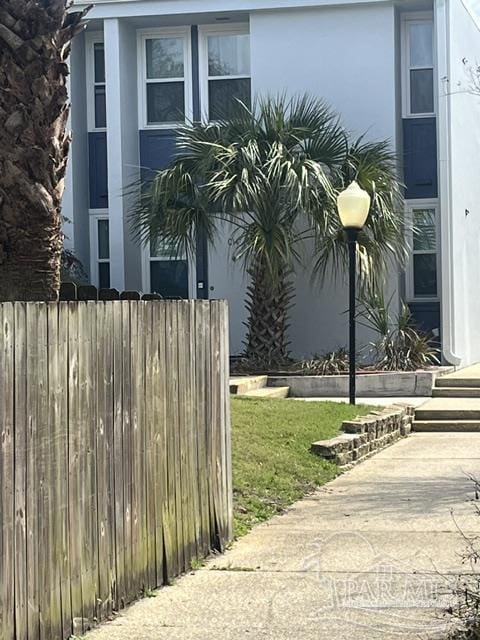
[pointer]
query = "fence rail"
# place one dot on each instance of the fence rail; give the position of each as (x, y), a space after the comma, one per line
(114, 455)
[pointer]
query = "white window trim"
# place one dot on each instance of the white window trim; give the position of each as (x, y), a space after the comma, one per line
(409, 280)
(142, 36)
(214, 30)
(92, 38)
(408, 19)
(146, 280)
(94, 216)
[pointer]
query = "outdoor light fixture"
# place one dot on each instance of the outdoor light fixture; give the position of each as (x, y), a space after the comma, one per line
(353, 206)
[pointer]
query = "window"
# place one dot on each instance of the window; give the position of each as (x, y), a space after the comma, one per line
(168, 273)
(100, 107)
(419, 75)
(226, 70)
(100, 251)
(423, 276)
(96, 92)
(165, 98)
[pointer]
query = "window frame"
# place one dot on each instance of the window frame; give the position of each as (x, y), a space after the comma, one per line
(146, 274)
(94, 216)
(411, 205)
(408, 19)
(204, 31)
(163, 32)
(91, 39)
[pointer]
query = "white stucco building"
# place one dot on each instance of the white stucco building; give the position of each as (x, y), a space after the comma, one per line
(397, 69)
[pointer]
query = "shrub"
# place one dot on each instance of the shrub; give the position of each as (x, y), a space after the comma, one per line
(466, 613)
(401, 345)
(328, 364)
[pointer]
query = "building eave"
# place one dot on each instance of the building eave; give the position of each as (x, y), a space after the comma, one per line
(103, 9)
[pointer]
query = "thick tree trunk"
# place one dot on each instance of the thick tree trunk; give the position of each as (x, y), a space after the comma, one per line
(268, 304)
(35, 39)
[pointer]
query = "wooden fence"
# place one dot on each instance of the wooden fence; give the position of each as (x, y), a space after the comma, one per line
(114, 455)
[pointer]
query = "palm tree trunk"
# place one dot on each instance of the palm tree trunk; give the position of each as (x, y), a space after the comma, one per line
(268, 304)
(35, 40)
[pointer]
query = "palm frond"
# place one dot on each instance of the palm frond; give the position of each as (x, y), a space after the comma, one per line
(382, 243)
(272, 171)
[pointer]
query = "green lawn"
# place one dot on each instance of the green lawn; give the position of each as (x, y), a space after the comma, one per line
(272, 463)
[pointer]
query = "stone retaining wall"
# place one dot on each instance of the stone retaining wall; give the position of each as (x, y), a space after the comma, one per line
(366, 435)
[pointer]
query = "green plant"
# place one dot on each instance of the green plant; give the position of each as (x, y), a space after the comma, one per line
(197, 563)
(401, 346)
(268, 176)
(328, 364)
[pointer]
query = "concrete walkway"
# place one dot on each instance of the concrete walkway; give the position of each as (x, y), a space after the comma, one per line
(467, 373)
(372, 555)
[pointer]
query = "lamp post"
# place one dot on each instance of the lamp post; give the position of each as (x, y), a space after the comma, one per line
(353, 207)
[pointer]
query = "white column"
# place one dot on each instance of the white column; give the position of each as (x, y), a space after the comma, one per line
(113, 80)
(75, 197)
(449, 305)
(123, 153)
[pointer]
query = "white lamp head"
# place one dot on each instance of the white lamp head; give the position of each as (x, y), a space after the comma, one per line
(353, 206)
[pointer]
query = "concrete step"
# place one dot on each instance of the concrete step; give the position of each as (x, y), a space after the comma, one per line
(456, 392)
(267, 392)
(466, 377)
(451, 381)
(451, 409)
(242, 384)
(446, 425)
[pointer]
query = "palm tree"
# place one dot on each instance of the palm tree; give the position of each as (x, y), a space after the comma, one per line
(271, 174)
(35, 39)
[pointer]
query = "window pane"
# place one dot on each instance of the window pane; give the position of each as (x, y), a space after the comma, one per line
(165, 58)
(169, 278)
(100, 107)
(425, 275)
(165, 102)
(99, 61)
(224, 96)
(229, 55)
(103, 240)
(104, 275)
(425, 236)
(160, 249)
(421, 44)
(421, 91)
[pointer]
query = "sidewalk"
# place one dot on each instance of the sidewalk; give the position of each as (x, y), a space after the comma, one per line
(371, 555)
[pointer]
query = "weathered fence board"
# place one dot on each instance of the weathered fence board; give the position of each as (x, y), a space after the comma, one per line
(114, 455)
(7, 470)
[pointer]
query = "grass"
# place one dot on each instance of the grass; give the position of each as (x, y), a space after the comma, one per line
(272, 463)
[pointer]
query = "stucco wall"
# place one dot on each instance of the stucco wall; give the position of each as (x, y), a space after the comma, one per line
(228, 280)
(75, 198)
(347, 56)
(461, 213)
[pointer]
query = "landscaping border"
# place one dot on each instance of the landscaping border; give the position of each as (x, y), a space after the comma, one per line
(397, 384)
(366, 435)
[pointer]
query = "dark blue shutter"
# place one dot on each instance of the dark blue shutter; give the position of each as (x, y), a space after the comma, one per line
(98, 174)
(157, 147)
(420, 157)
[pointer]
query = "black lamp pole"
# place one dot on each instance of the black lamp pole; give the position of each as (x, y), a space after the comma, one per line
(352, 234)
